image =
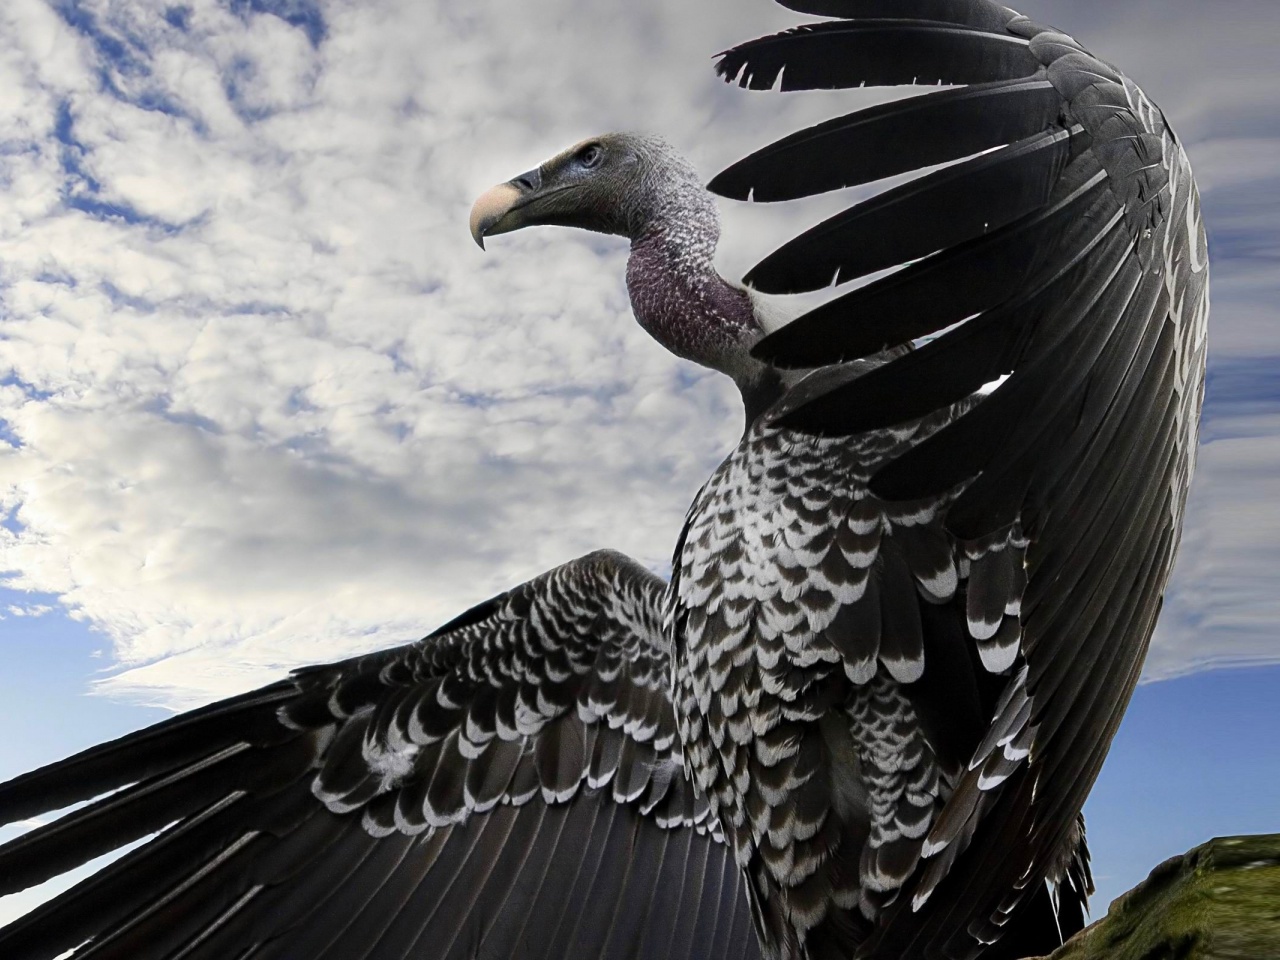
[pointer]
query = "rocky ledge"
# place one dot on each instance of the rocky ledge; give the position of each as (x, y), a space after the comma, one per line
(1220, 901)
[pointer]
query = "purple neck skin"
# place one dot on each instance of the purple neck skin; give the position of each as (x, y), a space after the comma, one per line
(684, 304)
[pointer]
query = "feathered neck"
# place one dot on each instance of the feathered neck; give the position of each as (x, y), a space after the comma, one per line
(682, 301)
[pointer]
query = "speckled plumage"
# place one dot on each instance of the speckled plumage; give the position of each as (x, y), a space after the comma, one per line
(457, 796)
(678, 296)
(795, 625)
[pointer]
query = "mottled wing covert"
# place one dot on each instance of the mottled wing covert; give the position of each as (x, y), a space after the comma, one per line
(1061, 247)
(509, 786)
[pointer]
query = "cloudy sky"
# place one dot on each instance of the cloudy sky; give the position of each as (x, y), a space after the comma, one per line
(263, 403)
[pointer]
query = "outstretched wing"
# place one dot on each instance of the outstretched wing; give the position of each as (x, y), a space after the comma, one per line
(510, 786)
(1062, 249)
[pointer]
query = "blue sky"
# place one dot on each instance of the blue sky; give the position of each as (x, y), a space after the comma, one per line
(1196, 757)
(262, 403)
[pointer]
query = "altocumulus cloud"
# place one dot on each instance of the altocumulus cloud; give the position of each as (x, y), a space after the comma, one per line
(263, 403)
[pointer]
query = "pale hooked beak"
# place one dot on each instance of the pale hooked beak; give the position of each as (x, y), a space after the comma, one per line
(498, 208)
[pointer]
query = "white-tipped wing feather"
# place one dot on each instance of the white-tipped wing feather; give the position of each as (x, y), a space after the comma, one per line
(511, 785)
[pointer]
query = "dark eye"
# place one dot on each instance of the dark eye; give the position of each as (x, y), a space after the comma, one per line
(590, 155)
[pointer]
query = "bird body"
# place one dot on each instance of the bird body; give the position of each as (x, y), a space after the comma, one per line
(797, 629)
(905, 614)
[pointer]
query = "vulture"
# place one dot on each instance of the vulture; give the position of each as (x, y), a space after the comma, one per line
(905, 614)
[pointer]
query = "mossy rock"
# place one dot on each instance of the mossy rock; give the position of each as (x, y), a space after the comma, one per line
(1221, 901)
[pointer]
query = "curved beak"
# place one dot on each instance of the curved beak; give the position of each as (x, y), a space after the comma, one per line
(498, 208)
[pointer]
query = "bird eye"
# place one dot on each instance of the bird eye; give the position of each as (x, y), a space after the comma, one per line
(590, 155)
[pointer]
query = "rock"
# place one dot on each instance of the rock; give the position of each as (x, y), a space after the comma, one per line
(1220, 901)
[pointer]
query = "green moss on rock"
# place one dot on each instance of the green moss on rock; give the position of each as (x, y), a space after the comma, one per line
(1220, 901)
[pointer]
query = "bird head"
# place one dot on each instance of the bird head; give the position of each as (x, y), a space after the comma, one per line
(618, 183)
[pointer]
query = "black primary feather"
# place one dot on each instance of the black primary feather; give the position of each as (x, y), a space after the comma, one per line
(1010, 273)
(971, 13)
(932, 213)
(892, 138)
(826, 56)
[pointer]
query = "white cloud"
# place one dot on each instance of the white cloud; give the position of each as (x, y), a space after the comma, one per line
(266, 402)
(27, 610)
(1224, 606)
